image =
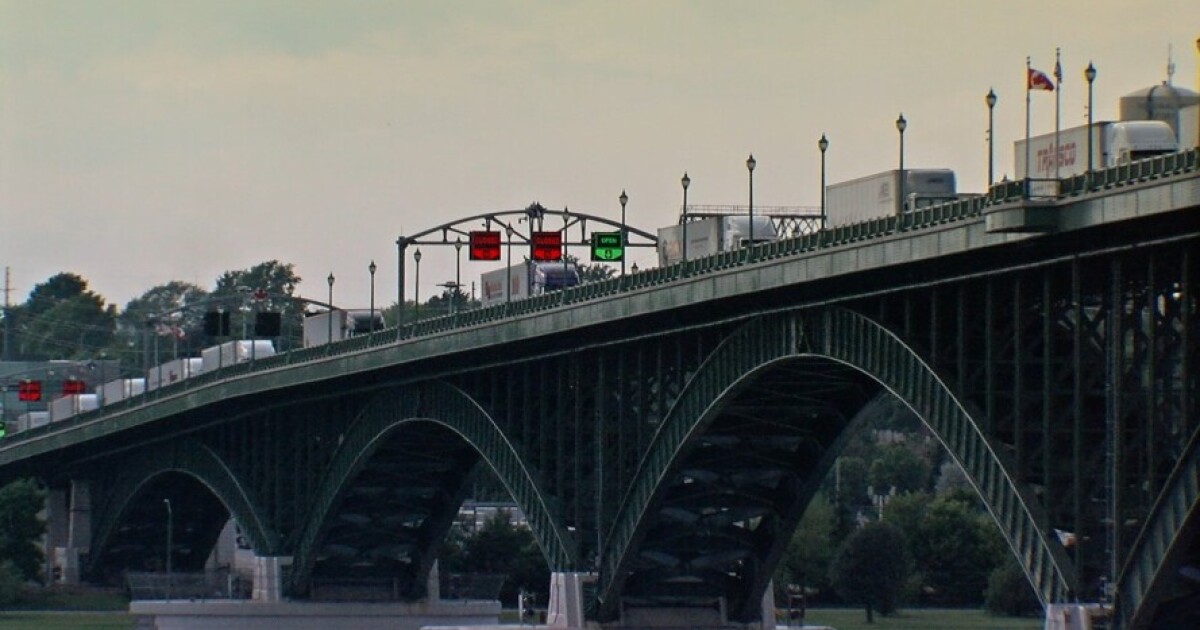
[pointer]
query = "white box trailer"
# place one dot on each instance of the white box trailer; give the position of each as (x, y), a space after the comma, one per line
(120, 389)
(711, 235)
(1113, 143)
(72, 405)
(173, 371)
(525, 279)
(319, 330)
(32, 420)
(232, 352)
(878, 195)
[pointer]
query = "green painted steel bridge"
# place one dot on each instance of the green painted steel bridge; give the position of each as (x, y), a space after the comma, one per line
(666, 430)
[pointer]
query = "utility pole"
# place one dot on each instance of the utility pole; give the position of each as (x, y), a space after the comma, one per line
(7, 315)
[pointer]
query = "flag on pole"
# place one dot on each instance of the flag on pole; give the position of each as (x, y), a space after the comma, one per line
(1038, 80)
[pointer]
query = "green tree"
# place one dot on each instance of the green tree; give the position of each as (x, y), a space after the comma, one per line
(20, 527)
(62, 320)
(810, 550)
(1009, 592)
(183, 327)
(956, 550)
(11, 584)
(870, 568)
(238, 292)
(503, 548)
(899, 467)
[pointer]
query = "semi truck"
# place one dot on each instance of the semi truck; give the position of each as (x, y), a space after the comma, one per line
(711, 235)
(878, 195)
(526, 279)
(1113, 143)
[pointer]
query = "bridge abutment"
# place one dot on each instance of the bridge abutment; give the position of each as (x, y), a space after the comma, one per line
(268, 578)
(68, 514)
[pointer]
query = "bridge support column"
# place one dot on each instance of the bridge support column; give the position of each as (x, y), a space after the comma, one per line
(565, 609)
(268, 578)
(79, 532)
(57, 531)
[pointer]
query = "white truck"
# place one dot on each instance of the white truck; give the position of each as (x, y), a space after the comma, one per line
(878, 195)
(526, 279)
(711, 235)
(172, 371)
(72, 405)
(1113, 143)
(120, 389)
(231, 352)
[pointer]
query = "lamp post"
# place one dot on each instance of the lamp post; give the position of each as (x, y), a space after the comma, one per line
(624, 199)
(401, 245)
(990, 99)
(508, 231)
(685, 181)
(901, 124)
(823, 144)
(330, 280)
(457, 272)
(1090, 75)
(371, 268)
(417, 284)
(750, 164)
(170, 530)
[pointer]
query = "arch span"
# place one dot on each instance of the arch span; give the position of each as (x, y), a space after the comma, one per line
(848, 339)
(440, 405)
(193, 460)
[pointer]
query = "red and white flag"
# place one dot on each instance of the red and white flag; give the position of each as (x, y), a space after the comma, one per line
(1038, 80)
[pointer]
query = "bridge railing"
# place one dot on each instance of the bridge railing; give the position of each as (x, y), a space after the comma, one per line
(968, 208)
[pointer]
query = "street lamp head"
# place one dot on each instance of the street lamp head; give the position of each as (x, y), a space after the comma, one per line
(458, 243)
(823, 143)
(991, 98)
(417, 255)
(508, 231)
(686, 181)
(623, 198)
(901, 124)
(1090, 72)
(330, 279)
(371, 267)
(751, 163)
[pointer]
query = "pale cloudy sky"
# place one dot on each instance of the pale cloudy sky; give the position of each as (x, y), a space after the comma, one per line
(144, 141)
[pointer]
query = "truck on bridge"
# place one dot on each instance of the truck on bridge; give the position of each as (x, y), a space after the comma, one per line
(1113, 143)
(878, 195)
(710, 235)
(526, 279)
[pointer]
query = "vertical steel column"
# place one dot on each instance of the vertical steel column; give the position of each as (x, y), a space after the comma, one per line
(1082, 545)
(622, 409)
(961, 336)
(601, 388)
(1115, 351)
(1048, 390)
(1150, 386)
(989, 355)
(1187, 340)
(1018, 424)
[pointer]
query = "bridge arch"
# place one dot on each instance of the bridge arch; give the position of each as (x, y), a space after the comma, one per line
(195, 462)
(826, 338)
(442, 409)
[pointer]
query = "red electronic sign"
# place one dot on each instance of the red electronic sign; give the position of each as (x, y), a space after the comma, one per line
(547, 245)
(73, 386)
(29, 391)
(485, 245)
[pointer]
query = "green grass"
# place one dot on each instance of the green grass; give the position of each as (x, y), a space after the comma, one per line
(919, 619)
(65, 621)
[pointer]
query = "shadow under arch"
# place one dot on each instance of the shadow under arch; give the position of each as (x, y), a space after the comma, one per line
(446, 408)
(192, 460)
(844, 337)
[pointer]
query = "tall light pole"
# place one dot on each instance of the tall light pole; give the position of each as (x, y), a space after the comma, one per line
(371, 268)
(990, 99)
(750, 164)
(330, 280)
(685, 181)
(457, 272)
(417, 284)
(624, 199)
(901, 125)
(170, 530)
(508, 231)
(401, 245)
(1090, 75)
(823, 144)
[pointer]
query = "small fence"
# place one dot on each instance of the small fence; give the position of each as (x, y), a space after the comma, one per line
(220, 584)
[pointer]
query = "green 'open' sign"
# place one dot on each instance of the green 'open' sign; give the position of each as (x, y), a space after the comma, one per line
(606, 247)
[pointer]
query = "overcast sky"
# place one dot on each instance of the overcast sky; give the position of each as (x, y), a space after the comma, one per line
(149, 141)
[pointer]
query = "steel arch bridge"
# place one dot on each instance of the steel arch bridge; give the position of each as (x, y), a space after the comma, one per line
(667, 430)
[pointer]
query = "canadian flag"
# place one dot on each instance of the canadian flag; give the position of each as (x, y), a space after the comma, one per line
(1037, 80)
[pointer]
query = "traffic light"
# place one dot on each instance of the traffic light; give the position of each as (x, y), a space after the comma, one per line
(73, 386)
(29, 391)
(484, 245)
(267, 324)
(547, 246)
(216, 324)
(606, 247)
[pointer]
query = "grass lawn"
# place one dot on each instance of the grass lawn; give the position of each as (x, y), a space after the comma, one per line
(919, 619)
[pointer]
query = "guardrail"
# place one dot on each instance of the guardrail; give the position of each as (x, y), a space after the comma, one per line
(923, 218)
